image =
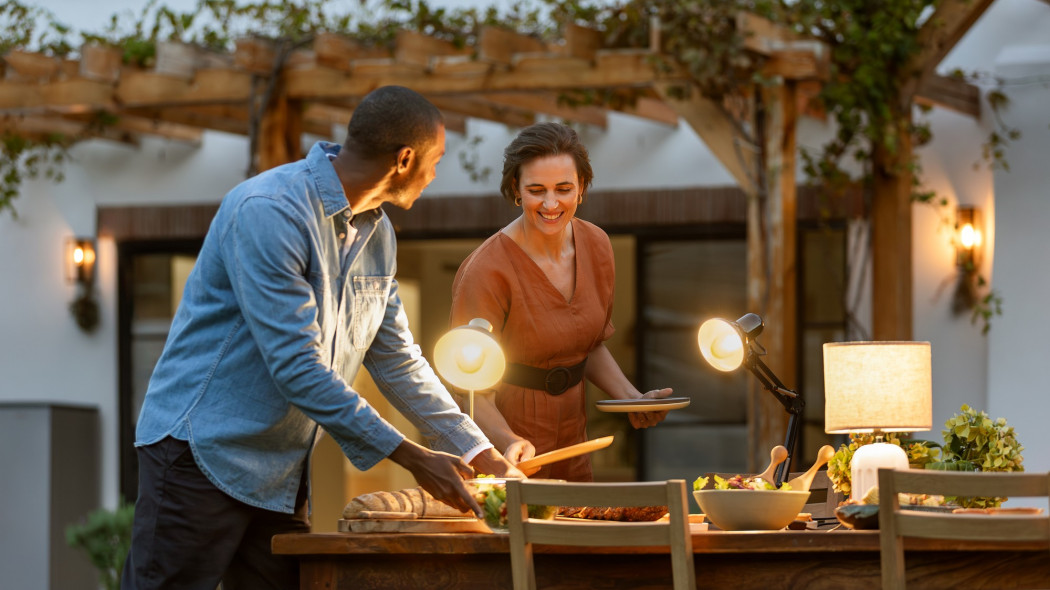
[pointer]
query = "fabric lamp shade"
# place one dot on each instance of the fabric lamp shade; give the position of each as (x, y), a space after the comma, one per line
(877, 387)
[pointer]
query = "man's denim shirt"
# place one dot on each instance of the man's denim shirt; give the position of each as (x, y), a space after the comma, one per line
(277, 316)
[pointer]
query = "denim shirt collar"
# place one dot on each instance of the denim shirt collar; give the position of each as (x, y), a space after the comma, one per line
(323, 171)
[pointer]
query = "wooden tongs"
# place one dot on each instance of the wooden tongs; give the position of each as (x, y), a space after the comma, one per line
(530, 466)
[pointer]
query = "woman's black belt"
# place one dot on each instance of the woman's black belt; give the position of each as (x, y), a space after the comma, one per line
(554, 381)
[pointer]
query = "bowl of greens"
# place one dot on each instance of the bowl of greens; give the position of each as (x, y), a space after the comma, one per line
(491, 494)
(748, 503)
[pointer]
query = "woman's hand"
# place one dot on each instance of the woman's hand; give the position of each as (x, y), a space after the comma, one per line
(518, 451)
(647, 419)
(490, 462)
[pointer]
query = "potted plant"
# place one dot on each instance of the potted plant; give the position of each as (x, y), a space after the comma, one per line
(105, 535)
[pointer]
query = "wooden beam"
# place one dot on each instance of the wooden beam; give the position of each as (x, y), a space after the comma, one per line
(74, 130)
(951, 93)
(225, 118)
(29, 65)
(338, 51)
(548, 104)
(480, 109)
(718, 132)
(416, 48)
(208, 86)
(945, 27)
(619, 70)
(498, 45)
(652, 109)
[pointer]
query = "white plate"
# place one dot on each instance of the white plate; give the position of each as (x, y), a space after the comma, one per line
(642, 405)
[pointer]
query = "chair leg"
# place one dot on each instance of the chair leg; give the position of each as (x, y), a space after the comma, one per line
(523, 572)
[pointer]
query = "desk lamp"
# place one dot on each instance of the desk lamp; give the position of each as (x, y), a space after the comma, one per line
(728, 345)
(469, 358)
(876, 387)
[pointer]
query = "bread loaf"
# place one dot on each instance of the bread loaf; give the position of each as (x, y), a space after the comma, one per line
(414, 500)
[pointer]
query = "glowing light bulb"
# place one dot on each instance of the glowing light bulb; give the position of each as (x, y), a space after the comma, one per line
(470, 358)
(78, 256)
(969, 237)
(726, 346)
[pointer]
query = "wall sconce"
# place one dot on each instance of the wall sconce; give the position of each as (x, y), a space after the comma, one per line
(80, 269)
(727, 346)
(968, 238)
(80, 260)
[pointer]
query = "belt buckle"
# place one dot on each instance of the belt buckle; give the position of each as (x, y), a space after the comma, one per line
(557, 380)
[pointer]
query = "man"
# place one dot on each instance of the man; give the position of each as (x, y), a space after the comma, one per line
(292, 292)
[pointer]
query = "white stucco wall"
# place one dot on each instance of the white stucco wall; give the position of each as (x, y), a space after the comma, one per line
(1018, 341)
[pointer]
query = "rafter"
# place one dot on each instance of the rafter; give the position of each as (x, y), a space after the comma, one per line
(945, 27)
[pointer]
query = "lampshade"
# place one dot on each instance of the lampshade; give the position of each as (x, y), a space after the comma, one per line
(877, 386)
(469, 357)
(723, 344)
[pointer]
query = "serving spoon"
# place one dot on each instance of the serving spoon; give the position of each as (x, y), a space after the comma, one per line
(776, 457)
(802, 482)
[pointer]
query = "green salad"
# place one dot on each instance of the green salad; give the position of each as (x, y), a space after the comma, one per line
(740, 482)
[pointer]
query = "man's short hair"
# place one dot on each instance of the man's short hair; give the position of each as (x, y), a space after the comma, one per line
(390, 118)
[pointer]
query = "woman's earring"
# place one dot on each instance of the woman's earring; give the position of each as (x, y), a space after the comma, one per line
(517, 201)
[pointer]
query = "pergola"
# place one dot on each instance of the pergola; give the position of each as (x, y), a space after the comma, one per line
(274, 96)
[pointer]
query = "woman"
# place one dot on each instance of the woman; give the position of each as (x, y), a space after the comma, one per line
(545, 283)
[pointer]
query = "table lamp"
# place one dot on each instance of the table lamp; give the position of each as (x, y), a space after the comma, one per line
(876, 387)
(727, 345)
(470, 358)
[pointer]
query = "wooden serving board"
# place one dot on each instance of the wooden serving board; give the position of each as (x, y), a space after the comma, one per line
(415, 525)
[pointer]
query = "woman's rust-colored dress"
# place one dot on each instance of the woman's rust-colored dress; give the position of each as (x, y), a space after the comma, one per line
(536, 326)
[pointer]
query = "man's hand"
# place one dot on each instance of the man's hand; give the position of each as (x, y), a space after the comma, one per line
(491, 462)
(440, 474)
(647, 419)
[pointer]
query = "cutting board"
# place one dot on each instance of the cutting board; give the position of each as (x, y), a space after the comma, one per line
(415, 525)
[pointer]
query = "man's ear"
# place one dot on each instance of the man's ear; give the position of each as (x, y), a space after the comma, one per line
(406, 156)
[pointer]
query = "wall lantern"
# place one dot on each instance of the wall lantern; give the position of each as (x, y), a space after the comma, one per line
(80, 270)
(80, 260)
(968, 238)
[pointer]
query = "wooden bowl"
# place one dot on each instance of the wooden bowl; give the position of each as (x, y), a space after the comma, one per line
(750, 510)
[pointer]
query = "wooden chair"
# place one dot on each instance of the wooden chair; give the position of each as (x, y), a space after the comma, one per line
(525, 531)
(895, 523)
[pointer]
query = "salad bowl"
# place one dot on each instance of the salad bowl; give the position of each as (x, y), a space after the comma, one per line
(751, 510)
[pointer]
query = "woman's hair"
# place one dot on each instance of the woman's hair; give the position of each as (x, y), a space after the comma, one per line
(390, 118)
(539, 141)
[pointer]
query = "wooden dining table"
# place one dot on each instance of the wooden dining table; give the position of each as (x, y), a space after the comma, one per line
(810, 559)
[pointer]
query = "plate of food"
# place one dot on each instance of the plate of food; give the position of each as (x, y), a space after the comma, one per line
(642, 405)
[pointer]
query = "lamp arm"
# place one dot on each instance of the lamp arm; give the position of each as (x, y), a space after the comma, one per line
(793, 404)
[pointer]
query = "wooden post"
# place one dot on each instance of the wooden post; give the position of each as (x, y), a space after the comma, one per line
(772, 268)
(891, 236)
(279, 132)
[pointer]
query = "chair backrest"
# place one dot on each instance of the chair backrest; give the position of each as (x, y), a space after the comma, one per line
(896, 523)
(525, 531)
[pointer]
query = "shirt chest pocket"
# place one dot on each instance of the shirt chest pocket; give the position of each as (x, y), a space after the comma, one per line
(370, 295)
